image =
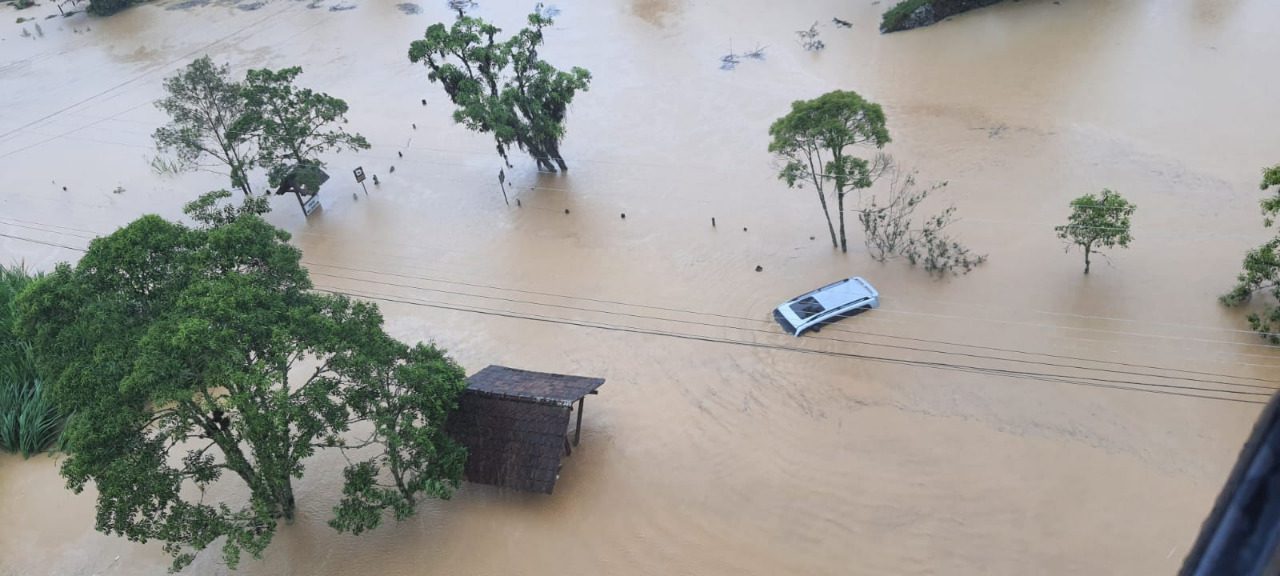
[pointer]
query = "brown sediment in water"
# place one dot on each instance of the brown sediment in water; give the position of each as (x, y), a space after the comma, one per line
(712, 451)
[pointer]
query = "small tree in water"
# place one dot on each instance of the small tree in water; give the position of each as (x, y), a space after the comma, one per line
(890, 231)
(503, 87)
(1262, 268)
(1096, 222)
(814, 141)
(293, 125)
(194, 357)
(206, 108)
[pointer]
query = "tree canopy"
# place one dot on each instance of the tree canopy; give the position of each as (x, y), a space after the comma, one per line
(205, 108)
(503, 87)
(266, 120)
(1098, 221)
(293, 125)
(1262, 267)
(194, 357)
(814, 143)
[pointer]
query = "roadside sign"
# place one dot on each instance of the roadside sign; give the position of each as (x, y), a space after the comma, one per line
(312, 204)
(359, 172)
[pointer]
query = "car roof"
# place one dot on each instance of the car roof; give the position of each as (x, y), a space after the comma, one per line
(840, 293)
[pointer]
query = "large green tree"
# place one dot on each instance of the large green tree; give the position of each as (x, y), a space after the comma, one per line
(205, 130)
(1098, 221)
(293, 125)
(815, 143)
(503, 87)
(1262, 266)
(195, 357)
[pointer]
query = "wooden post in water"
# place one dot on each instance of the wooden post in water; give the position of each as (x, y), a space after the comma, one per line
(577, 433)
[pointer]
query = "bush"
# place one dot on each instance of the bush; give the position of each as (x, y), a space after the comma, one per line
(108, 7)
(893, 18)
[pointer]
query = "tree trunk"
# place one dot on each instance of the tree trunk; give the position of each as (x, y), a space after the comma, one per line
(1086, 259)
(286, 501)
(826, 212)
(238, 174)
(554, 149)
(844, 244)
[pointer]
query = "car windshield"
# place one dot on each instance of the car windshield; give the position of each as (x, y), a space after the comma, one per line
(807, 307)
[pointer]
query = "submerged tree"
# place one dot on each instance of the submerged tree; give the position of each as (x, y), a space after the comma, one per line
(814, 142)
(293, 125)
(889, 227)
(108, 7)
(206, 108)
(1262, 267)
(1096, 222)
(195, 357)
(502, 87)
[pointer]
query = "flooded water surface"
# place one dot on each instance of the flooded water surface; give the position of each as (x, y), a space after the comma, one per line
(1022, 419)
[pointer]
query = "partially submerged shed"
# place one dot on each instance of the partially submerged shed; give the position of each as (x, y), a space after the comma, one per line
(515, 425)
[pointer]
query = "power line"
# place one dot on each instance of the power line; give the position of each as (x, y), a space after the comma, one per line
(136, 78)
(730, 317)
(886, 310)
(864, 343)
(916, 363)
(34, 241)
(1082, 380)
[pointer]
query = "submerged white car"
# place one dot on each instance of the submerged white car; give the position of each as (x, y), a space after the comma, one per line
(825, 305)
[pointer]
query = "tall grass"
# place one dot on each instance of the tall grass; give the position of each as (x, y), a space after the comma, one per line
(29, 422)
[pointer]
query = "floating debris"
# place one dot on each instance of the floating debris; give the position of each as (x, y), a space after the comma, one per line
(409, 8)
(727, 62)
(842, 23)
(732, 59)
(549, 11)
(462, 5)
(342, 7)
(759, 268)
(809, 39)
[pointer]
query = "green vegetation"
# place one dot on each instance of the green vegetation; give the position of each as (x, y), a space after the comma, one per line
(29, 422)
(1096, 222)
(108, 7)
(910, 14)
(889, 228)
(204, 106)
(503, 88)
(893, 19)
(216, 123)
(813, 142)
(292, 125)
(1262, 267)
(195, 356)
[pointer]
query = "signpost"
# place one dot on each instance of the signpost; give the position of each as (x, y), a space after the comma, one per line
(359, 172)
(312, 203)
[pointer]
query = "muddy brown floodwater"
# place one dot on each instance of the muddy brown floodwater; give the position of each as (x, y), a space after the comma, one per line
(716, 447)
